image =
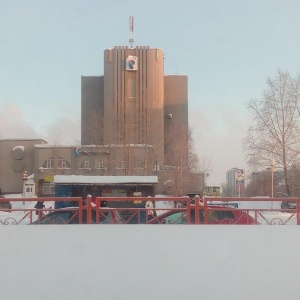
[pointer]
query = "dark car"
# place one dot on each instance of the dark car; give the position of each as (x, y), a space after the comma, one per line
(216, 215)
(71, 216)
(4, 204)
(288, 205)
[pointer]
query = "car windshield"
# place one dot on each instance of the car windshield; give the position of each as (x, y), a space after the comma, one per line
(106, 216)
(216, 215)
(176, 218)
(213, 216)
(61, 217)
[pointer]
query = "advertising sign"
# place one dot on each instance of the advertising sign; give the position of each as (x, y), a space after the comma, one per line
(49, 178)
(212, 191)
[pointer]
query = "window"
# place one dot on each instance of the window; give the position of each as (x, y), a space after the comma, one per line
(63, 164)
(63, 217)
(48, 164)
(216, 215)
(139, 164)
(100, 164)
(48, 188)
(224, 214)
(121, 165)
(85, 164)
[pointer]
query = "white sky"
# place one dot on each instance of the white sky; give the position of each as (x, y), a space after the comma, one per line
(227, 49)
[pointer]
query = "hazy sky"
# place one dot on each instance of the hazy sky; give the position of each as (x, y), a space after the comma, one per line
(227, 49)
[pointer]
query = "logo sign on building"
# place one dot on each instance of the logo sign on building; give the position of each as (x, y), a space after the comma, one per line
(131, 63)
(79, 151)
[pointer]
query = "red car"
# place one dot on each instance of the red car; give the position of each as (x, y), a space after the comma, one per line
(216, 215)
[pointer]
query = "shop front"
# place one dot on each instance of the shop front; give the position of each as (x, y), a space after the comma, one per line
(103, 186)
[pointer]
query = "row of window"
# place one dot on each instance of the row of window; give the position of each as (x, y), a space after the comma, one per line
(48, 188)
(99, 164)
(61, 164)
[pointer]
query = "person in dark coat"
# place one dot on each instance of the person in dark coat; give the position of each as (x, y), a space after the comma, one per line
(39, 205)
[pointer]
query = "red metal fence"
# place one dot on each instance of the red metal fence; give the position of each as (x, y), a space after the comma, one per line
(150, 210)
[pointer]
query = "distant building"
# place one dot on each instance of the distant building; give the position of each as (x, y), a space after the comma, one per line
(130, 119)
(235, 181)
(16, 157)
(134, 102)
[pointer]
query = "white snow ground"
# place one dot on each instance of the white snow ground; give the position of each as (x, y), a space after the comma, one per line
(149, 262)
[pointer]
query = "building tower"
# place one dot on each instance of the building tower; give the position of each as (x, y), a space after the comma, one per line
(134, 103)
(235, 180)
(133, 97)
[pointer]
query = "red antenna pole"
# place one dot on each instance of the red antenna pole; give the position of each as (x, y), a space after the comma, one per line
(131, 28)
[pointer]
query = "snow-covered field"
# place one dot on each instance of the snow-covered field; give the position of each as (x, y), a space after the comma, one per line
(270, 212)
(23, 213)
(149, 262)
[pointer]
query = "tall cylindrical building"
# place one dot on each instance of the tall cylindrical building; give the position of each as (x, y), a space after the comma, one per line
(134, 97)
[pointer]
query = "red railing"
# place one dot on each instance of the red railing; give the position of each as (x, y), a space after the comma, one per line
(163, 210)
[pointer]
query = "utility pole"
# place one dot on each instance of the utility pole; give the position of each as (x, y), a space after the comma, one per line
(272, 182)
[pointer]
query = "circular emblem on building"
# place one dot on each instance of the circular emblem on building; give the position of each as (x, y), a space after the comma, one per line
(78, 150)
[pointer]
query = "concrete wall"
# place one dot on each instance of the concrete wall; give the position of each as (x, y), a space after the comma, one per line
(175, 114)
(91, 104)
(138, 160)
(13, 163)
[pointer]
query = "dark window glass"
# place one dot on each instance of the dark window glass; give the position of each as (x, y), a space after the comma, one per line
(224, 214)
(57, 218)
(176, 218)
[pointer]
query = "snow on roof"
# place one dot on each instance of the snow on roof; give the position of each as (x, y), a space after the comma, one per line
(19, 147)
(94, 146)
(22, 139)
(81, 179)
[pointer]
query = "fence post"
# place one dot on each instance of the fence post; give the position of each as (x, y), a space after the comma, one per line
(197, 210)
(80, 211)
(189, 210)
(89, 209)
(297, 211)
(205, 211)
(97, 211)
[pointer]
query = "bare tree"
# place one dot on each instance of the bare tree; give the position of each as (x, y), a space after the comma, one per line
(182, 157)
(274, 136)
(259, 184)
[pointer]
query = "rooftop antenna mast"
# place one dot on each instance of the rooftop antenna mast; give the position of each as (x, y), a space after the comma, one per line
(131, 28)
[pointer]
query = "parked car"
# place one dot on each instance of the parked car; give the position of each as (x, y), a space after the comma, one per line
(70, 215)
(4, 204)
(216, 215)
(288, 205)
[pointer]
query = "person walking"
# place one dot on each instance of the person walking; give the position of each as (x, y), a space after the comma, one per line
(38, 206)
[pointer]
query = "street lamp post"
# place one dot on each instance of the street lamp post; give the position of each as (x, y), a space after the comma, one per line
(239, 180)
(272, 182)
(24, 178)
(205, 176)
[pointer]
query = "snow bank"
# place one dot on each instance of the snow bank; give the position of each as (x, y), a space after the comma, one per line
(149, 262)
